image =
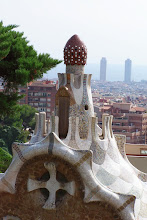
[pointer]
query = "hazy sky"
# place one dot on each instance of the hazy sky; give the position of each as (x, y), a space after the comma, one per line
(115, 29)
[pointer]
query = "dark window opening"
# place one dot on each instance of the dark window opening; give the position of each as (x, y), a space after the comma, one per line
(86, 107)
(45, 177)
(59, 196)
(64, 103)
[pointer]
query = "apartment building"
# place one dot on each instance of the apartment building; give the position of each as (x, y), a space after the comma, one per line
(128, 120)
(40, 95)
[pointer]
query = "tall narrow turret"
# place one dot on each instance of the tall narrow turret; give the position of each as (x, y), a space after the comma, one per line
(74, 98)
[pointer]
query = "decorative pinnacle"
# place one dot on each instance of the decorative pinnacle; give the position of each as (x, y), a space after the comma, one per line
(75, 51)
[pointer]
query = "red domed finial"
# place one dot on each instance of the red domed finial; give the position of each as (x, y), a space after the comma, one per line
(75, 51)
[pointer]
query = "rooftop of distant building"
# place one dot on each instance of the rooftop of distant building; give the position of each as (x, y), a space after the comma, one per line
(43, 83)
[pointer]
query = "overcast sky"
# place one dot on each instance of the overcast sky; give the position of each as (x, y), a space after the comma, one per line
(115, 29)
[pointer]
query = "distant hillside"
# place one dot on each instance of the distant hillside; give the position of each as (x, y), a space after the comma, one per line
(115, 72)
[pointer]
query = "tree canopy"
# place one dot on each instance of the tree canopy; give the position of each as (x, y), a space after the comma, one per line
(19, 64)
(15, 127)
(5, 39)
(5, 160)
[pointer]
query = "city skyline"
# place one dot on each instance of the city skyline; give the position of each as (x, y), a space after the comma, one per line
(115, 72)
(47, 25)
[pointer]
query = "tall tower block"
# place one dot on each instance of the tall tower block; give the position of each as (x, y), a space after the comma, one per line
(128, 66)
(103, 65)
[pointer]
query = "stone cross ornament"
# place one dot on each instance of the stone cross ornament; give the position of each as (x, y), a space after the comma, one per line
(52, 185)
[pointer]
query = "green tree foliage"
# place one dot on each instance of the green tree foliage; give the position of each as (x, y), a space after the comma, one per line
(27, 115)
(9, 134)
(24, 116)
(5, 40)
(13, 128)
(19, 64)
(5, 160)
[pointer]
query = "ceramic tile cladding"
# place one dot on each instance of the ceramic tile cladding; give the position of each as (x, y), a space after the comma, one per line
(76, 69)
(28, 206)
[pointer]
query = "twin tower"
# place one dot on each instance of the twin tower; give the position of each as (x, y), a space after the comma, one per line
(127, 74)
